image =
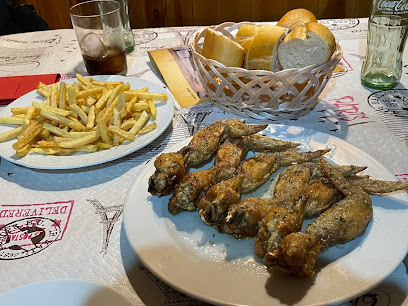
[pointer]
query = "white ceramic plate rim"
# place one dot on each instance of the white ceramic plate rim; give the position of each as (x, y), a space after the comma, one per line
(165, 113)
(175, 248)
(65, 292)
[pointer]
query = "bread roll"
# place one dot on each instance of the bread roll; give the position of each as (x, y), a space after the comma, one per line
(312, 44)
(222, 49)
(296, 18)
(262, 53)
(245, 35)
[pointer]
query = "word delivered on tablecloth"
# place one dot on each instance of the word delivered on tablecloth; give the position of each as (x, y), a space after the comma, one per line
(28, 229)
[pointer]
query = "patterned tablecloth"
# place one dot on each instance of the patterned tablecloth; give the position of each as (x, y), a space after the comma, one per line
(90, 243)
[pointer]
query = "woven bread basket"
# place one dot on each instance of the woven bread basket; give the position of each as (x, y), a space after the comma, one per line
(261, 94)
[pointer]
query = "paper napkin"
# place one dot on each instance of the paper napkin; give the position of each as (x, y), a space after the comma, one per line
(14, 87)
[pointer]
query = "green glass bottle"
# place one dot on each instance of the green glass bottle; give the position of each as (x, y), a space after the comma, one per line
(127, 30)
(386, 38)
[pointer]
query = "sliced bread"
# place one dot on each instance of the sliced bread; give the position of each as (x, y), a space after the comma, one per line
(222, 49)
(312, 44)
(262, 53)
(296, 18)
(245, 35)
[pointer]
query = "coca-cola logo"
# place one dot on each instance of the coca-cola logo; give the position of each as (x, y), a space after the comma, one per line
(393, 6)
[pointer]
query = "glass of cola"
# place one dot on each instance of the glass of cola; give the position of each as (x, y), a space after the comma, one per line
(99, 31)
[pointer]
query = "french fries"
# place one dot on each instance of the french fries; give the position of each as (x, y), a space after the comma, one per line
(86, 116)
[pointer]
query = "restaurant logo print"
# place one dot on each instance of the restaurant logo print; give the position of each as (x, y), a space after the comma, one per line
(28, 229)
(340, 24)
(391, 106)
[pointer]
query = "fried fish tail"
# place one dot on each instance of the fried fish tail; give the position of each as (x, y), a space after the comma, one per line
(287, 158)
(238, 128)
(261, 143)
(378, 186)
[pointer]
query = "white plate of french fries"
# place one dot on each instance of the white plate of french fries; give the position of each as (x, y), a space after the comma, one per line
(83, 121)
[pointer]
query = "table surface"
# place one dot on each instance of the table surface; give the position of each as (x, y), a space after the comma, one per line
(94, 194)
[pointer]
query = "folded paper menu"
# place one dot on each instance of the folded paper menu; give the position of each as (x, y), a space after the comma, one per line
(14, 87)
(176, 67)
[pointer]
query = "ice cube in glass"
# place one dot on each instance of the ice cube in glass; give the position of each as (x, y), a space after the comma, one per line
(92, 46)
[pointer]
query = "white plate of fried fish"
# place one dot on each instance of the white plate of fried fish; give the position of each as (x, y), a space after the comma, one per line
(184, 248)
